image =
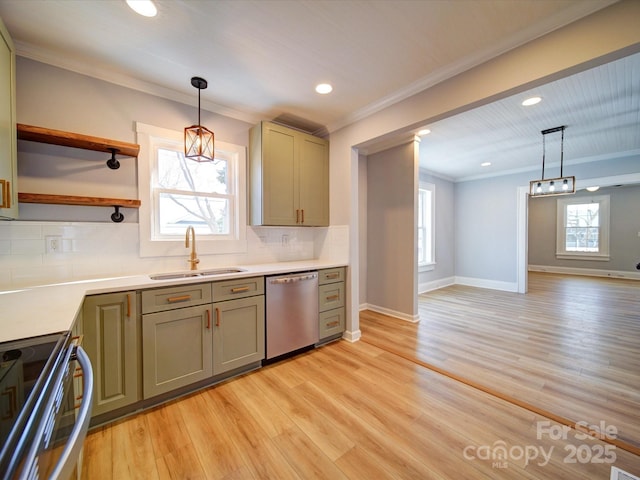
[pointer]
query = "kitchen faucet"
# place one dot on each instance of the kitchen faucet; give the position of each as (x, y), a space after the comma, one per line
(193, 258)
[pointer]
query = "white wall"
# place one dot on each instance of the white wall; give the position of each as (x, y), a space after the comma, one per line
(392, 186)
(486, 222)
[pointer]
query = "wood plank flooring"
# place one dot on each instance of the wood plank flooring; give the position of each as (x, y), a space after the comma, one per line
(342, 411)
(571, 346)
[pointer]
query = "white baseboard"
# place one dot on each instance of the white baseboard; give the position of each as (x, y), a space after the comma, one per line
(436, 284)
(352, 337)
(394, 313)
(589, 272)
(484, 283)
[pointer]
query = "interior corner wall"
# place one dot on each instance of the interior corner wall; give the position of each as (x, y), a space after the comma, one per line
(391, 232)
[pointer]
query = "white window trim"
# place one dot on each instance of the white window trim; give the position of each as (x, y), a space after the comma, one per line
(148, 136)
(429, 266)
(604, 214)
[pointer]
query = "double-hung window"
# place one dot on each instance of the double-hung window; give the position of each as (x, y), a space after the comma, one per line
(583, 228)
(177, 193)
(426, 226)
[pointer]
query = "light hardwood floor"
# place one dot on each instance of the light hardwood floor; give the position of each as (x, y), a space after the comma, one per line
(570, 347)
(343, 411)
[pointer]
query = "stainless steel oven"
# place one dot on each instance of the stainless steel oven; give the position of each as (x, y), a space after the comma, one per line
(43, 418)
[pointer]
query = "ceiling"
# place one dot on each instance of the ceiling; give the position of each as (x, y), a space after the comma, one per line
(262, 59)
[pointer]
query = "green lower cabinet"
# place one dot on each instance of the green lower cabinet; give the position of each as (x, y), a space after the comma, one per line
(110, 329)
(238, 333)
(176, 349)
(331, 322)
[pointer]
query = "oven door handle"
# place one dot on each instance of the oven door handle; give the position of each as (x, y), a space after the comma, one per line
(69, 457)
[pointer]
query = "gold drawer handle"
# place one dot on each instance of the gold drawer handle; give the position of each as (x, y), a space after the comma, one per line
(333, 324)
(240, 289)
(182, 298)
(332, 275)
(5, 185)
(332, 297)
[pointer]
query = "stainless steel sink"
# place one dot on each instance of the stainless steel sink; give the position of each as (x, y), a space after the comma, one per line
(204, 273)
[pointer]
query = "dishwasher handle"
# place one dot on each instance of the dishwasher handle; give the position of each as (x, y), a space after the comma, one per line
(293, 278)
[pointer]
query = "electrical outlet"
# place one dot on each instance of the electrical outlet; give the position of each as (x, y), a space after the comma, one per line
(53, 243)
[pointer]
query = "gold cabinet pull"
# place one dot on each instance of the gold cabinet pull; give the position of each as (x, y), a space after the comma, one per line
(217, 317)
(78, 397)
(332, 275)
(240, 289)
(5, 199)
(181, 298)
(128, 305)
(208, 319)
(302, 216)
(332, 297)
(333, 324)
(12, 400)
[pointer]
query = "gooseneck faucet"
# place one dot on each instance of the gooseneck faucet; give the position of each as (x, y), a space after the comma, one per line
(193, 258)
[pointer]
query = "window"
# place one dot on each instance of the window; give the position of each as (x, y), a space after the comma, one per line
(583, 228)
(177, 193)
(426, 230)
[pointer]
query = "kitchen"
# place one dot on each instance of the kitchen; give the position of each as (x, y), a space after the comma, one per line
(85, 98)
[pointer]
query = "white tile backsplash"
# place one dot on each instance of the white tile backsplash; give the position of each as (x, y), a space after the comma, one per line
(99, 250)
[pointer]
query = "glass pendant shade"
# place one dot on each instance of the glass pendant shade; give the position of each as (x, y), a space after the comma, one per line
(198, 143)
(198, 140)
(552, 186)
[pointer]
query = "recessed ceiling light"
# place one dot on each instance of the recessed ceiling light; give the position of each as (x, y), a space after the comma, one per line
(485, 164)
(146, 8)
(424, 131)
(324, 88)
(593, 189)
(531, 101)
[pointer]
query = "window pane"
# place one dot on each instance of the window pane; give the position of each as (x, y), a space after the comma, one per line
(207, 215)
(177, 173)
(583, 215)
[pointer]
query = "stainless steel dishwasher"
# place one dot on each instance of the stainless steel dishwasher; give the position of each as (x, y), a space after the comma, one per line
(292, 312)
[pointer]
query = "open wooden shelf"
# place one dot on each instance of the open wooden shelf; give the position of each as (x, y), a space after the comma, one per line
(77, 200)
(76, 140)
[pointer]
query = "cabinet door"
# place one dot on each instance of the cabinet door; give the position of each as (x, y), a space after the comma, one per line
(313, 168)
(238, 333)
(111, 342)
(176, 349)
(8, 139)
(280, 185)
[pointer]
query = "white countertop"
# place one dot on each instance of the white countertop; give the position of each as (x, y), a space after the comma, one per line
(50, 309)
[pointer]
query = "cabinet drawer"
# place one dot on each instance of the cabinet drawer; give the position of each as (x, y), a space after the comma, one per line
(331, 275)
(331, 296)
(331, 322)
(242, 287)
(160, 299)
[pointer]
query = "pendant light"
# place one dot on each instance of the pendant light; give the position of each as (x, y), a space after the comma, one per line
(198, 140)
(553, 186)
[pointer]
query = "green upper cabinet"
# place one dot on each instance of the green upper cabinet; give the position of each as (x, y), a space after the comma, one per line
(8, 140)
(289, 177)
